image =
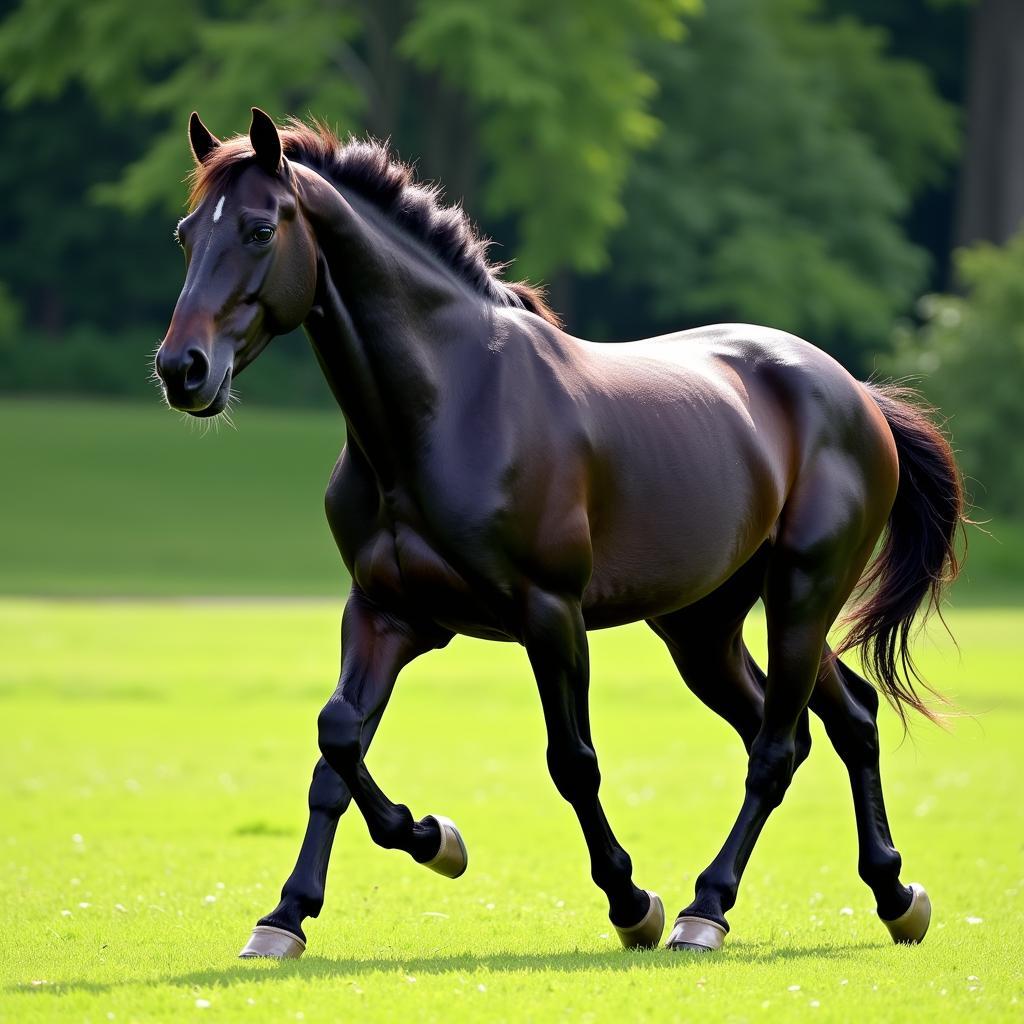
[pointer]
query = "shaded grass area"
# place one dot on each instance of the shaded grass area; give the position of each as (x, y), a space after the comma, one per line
(152, 796)
(108, 499)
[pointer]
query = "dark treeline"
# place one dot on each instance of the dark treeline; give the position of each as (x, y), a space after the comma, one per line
(800, 163)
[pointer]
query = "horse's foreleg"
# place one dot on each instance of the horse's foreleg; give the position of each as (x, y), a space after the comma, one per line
(556, 643)
(848, 706)
(375, 648)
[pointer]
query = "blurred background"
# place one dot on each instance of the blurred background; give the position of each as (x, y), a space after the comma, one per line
(848, 170)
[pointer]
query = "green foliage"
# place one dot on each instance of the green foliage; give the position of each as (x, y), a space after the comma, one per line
(561, 97)
(969, 354)
(562, 106)
(757, 166)
(774, 194)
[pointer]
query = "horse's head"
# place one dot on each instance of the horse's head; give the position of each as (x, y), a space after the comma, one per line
(250, 266)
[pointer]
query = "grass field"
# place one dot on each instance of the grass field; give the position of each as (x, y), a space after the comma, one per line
(126, 499)
(152, 798)
(158, 744)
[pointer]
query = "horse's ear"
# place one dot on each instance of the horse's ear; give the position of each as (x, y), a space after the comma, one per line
(266, 143)
(201, 139)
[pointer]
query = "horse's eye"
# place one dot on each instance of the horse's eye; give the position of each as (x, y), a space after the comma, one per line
(263, 234)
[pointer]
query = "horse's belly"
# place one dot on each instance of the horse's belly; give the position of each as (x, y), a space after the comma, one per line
(663, 547)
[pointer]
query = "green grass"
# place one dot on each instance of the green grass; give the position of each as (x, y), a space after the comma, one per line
(124, 499)
(108, 498)
(152, 789)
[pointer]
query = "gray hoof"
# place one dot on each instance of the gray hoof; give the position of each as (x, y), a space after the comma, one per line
(910, 927)
(276, 943)
(696, 933)
(646, 934)
(451, 860)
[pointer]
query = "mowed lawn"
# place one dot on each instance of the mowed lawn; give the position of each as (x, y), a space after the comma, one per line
(152, 791)
(169, 636)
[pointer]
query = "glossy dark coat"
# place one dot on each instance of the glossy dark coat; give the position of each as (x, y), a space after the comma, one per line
(505, 480)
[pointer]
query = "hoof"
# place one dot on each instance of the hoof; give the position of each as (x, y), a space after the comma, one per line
(910, 927)
(647, 933)
(451, 860)
(266, 940)
(697, 933)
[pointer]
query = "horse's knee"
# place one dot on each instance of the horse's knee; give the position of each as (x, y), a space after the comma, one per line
(770, 770)
(327, 792)
(339, 729)
(574, 771)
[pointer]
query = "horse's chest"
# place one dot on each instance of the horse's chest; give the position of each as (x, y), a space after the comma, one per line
(401, 565)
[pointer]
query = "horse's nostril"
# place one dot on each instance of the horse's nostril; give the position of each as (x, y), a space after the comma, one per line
(197, 369)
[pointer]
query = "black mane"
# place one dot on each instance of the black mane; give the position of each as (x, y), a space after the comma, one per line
(368, 168)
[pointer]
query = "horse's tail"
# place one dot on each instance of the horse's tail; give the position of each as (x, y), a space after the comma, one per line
(919, 556)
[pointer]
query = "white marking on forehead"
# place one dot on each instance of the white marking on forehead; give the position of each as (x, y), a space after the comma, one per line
(219, 210)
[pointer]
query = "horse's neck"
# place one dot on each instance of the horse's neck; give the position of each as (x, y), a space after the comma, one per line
(384, 326)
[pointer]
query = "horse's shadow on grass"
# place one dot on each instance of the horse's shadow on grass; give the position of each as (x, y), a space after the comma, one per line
(328, 968)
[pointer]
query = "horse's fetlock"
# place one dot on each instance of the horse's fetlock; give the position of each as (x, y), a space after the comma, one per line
(392, 829)
(880, 865)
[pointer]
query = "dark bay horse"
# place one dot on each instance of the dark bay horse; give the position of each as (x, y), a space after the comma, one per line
(505, 480)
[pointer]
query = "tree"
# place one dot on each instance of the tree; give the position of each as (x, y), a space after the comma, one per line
(969, 358)
(992, 194)
(775, 192)
(556, 90)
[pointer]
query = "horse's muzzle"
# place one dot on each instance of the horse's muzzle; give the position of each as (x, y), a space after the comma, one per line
(190, 383)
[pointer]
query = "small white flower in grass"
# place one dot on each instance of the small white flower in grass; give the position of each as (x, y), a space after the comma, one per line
(481, 988)
(39, 981)
(203, 1004)
(845, 981)
(814, 1003)
(793, 988)
(220, 885)
(433, 913)
(490, 906)
(250, 1001)
(77, 839)
(65, 913)
(210, 899)
(974, 920)
(765, 1005)
(85, 906)
(603, 935)
(76, 881)
(846, 911)
(121, 907)
(972, 977)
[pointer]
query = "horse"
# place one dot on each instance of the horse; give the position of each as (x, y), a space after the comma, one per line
(503, 479)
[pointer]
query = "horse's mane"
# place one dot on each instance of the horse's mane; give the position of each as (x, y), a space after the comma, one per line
(368, 168)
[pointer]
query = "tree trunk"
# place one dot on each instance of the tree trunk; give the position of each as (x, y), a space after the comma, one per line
(992, 186)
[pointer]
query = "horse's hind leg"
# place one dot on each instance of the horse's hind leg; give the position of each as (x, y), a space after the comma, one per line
(811, 571)
(847, 706)
(705, 641)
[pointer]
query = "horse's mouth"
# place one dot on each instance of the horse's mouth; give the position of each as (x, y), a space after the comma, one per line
(220, 400)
